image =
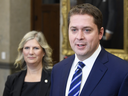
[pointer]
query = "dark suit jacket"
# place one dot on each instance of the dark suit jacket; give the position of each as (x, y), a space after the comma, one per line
(108, 9)
(13, 85)
(108, 77)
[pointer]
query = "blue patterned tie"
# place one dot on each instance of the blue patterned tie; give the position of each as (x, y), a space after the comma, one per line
(76, 81)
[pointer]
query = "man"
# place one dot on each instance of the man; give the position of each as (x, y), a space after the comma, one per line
(103, 74)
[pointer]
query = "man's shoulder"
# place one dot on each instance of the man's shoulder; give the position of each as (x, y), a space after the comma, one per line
(115, 58)
(106, 56)
(117, 62)
(64, 62)
(69, 58)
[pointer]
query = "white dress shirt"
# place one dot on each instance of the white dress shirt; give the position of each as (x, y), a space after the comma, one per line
(85, 71)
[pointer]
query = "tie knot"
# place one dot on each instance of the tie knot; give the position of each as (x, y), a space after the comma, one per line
(81, 65)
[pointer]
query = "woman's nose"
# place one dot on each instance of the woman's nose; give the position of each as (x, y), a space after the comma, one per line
(31, 51)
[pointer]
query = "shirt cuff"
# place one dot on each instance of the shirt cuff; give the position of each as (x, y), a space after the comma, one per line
(108, 31)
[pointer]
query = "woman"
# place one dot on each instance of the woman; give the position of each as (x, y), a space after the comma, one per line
(34, 57)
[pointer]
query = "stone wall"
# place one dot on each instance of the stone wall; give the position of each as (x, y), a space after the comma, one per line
(14, 23)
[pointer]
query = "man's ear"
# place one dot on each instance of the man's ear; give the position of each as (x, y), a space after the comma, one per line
(101, 33)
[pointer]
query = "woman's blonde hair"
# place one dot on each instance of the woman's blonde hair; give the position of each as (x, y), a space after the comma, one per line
(46, 60)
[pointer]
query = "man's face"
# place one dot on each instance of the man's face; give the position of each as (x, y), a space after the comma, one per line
(83, 35)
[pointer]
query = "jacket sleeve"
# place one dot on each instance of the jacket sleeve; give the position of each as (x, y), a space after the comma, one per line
(124, 87)
(8, 86)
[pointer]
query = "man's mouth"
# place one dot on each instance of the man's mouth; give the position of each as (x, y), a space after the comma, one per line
(80, 45)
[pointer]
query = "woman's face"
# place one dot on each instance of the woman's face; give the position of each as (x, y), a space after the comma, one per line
(33, 52)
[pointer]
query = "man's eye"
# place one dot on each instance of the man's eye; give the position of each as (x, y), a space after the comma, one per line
(73, 30)
(87, 30)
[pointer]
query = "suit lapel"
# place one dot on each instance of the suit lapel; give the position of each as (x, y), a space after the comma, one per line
(18, 83)
(65, 73)
(96, 74)
(45, 83)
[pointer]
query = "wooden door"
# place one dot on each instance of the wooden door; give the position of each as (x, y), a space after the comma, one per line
(45, 18)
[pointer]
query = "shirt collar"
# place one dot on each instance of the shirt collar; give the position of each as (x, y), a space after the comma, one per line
(89, 61)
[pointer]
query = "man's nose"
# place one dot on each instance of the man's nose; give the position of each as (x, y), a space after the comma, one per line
(80, 35)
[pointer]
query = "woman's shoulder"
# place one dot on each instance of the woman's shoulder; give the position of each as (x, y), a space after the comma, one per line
(47, 71)
(12, 78)
(46, 74)
(16, 74)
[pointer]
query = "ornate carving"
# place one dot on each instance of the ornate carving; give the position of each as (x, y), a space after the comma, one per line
(64, 27)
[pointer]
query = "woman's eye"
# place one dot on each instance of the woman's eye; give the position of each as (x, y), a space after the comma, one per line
(26, 47)
(36, 48)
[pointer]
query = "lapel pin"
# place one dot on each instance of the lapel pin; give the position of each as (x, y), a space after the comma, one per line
(46, 81)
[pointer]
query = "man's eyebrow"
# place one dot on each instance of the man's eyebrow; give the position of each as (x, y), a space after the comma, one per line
(87, 27)
(82, 27)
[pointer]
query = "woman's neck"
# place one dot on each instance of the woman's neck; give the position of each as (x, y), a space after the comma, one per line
(33, 74)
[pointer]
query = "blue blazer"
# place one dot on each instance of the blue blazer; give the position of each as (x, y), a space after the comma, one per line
(108, 77)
